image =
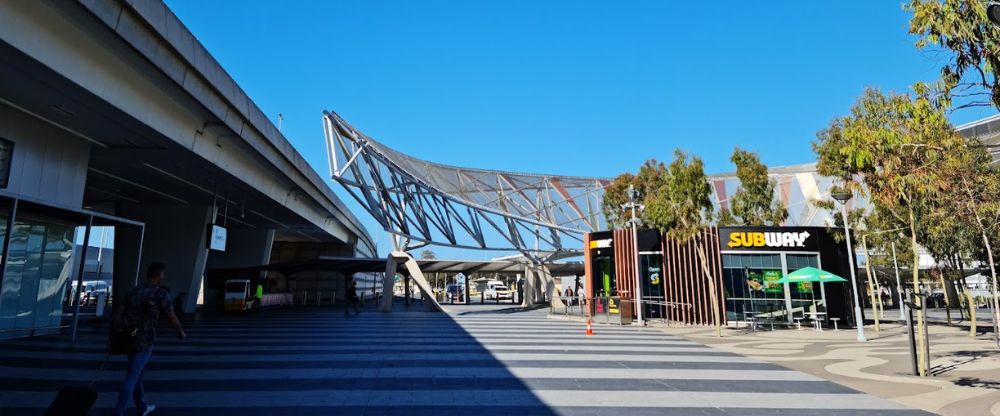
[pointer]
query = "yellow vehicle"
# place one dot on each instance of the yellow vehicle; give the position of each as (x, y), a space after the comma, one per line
(237, 296)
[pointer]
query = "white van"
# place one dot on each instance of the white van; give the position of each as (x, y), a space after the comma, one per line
(496, 290)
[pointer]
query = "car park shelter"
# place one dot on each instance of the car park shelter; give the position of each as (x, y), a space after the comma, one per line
(745, 263)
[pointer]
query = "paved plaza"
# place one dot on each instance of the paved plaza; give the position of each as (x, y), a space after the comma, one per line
(472, 360)
(964, 372)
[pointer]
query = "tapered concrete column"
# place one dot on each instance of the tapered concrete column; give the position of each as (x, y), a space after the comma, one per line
(529, 287)
(551, 288)
(413, 269)
(177, 237)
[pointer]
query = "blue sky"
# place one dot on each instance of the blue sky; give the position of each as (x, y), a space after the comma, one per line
(578, 88)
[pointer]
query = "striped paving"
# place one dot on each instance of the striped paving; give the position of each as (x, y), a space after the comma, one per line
(475, 359)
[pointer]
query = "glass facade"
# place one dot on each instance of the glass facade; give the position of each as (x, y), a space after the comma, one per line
(39, 264)
(751, 287)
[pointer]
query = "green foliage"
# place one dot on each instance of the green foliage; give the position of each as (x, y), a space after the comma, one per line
(753, 204)
(681, 207)
(428, 254)
(962, 29)
(894, 144)
(651, 177)
(615, 195)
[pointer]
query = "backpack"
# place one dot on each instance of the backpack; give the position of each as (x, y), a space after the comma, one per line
(137, 332)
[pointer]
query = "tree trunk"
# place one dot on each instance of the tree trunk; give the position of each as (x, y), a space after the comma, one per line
(871, 283)
(970, 302)
(921, 352)
(713, 295)
(947, 298)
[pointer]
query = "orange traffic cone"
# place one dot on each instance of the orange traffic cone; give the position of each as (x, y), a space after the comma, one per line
(590, 330)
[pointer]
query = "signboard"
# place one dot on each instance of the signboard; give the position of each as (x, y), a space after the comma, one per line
(771, 284)
(767, 239)
(216, 238)
(766, 281)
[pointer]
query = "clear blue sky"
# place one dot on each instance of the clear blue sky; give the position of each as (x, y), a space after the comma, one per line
(577, 88)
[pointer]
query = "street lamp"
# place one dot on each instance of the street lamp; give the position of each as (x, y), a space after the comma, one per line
(993, 12)
(633, 205)
(843, 197)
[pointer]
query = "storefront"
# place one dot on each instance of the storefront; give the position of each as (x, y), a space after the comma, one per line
(743, 262)
(754, 259)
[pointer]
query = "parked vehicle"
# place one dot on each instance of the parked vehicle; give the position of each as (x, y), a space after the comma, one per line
(496, 290)
(237, 295)
(454, 293)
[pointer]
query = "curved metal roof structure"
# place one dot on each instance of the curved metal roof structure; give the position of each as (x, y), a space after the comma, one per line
(432, 203)
(545, 215)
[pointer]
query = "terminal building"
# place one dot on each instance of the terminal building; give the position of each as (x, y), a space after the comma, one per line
(116, 121)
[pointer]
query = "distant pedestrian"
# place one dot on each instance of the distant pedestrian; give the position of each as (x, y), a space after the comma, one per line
(259, 297)
(133, 332)
(351, 297)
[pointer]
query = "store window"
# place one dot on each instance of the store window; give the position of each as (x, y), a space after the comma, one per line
(752, 288)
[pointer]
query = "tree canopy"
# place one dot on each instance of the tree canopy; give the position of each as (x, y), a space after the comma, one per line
(753, 203)
(961, 28)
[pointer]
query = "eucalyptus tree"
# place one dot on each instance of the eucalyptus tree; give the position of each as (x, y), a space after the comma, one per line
(753, 204)
(974, 187)
(891, 149)
(682, 209)
(647, 182)
(972, 43)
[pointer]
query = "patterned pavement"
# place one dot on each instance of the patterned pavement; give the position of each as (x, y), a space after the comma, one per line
(482, 360)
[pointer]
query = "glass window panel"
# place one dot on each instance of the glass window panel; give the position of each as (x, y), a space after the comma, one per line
(756, 261)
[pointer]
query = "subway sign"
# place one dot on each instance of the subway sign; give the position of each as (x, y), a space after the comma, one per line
(767, 239)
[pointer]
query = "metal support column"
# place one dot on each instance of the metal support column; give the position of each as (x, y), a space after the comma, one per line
(79, 275)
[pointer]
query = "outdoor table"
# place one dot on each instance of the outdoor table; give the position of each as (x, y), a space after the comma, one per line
(817, 325)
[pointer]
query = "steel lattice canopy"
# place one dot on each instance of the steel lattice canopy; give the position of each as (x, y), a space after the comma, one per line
(462, 207)
(433, 203)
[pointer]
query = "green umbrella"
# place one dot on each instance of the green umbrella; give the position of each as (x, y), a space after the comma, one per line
(811, 274)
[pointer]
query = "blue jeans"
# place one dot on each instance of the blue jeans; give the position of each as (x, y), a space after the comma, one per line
(132, 386)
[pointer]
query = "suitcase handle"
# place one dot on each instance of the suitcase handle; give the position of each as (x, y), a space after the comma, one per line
(100, 369)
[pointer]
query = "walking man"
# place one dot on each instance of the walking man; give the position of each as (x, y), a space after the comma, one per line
(351, 297)
(139, 314)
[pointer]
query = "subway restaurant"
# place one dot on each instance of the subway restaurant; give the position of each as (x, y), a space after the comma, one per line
(744, 262)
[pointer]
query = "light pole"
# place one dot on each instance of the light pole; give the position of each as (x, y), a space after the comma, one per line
(993, 12)
(843, 197)
(899, 285)
(634, 205)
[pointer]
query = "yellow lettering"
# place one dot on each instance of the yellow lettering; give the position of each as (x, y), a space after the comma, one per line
(734, 240)
(758, 239)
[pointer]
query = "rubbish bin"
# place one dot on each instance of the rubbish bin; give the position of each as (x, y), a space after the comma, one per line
(613, 310)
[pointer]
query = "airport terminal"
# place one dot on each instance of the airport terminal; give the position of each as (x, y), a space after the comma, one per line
(124, 142)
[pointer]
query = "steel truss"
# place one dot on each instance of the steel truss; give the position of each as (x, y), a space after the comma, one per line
(423, 203)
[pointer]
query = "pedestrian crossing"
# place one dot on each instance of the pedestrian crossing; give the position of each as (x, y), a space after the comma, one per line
(471, 360)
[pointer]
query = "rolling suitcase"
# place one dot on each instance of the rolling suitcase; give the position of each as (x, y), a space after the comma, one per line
(75, 400)
(72, 401)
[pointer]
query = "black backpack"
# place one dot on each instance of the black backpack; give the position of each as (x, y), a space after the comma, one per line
(137, 333)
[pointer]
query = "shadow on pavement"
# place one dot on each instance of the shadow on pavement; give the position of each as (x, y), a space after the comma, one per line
(304, 361)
